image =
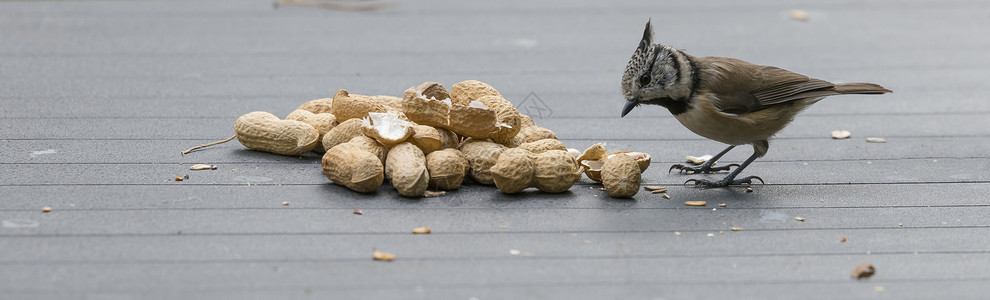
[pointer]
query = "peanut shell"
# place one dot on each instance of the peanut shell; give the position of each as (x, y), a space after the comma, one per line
(556, 171)
(348, 106)
(349, 165)
(481, 155)
(343, 132)
(265, 132)
(405, 167)
(318, 106)
(427, 138)
(514, 171)
(621, 176)
(475, 120)
(323, 122)
(506, 118)
(447, 168)
(470, 90)
(543, 146)
(371, 145)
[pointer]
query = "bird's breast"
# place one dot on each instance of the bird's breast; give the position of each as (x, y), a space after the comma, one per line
(706, 120)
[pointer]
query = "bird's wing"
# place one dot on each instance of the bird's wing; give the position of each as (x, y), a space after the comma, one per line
(743, 87)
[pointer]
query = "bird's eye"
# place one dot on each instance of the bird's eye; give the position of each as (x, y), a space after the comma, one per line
(645, 79)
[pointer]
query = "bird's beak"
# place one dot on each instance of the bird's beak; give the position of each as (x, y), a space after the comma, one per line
(630, 104)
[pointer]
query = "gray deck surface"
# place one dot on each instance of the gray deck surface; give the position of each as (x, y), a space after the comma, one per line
(98, 98)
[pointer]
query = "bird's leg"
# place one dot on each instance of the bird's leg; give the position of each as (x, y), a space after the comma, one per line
(705, 167)
(731, 178)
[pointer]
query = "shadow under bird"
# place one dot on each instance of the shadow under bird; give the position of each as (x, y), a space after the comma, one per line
(723, 99)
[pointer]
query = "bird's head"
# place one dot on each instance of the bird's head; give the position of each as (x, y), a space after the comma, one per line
(655, 73)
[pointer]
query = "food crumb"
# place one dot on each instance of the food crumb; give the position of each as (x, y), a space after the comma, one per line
(665, 196)
(198, 167)
(799, 15)
(711, 234)
(841, 134)
(876, 140)
(697, 160)
(514, 252)
(382, 256)
(842, 240)
(177, 178)
(749, 190)
(736, 228)
(695, 203)
(799, 219)
(655, 189)
(863, 271)
(285, 203)
(46, 209)
(721, 204)
(358, 212)
(677, 233)
(421, 230)
(434, 193)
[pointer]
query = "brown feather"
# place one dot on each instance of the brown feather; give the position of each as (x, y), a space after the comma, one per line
(861, 88)
(742, 87)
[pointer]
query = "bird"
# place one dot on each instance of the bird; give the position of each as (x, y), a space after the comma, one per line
(723, 99)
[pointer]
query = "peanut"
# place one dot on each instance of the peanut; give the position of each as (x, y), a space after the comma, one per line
(323, 122)
(405, 167)
(369, 144)
(348, 106)
(318, 106)
(426, 138)
(506, 118)
(514, 171)
(481, 155)
(553, 171)
(265, 132)
(556, 171)
(543, 146)
(621, 176)
(448, 139)
(447, 168)
(350, 165)
(343, 132)
(473, 120)
(470, 90)
(529, 132)
(391, 103)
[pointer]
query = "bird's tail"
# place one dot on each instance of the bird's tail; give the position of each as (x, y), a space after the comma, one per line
(860, 88)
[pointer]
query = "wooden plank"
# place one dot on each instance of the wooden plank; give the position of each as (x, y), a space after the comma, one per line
(664, 153)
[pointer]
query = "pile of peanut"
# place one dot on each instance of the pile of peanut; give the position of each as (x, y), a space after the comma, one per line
(432, 138)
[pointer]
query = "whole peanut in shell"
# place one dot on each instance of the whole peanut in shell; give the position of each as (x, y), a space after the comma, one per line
(263, 131)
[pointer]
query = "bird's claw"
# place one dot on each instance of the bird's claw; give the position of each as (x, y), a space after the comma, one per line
(704, 183)
(703, 169)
